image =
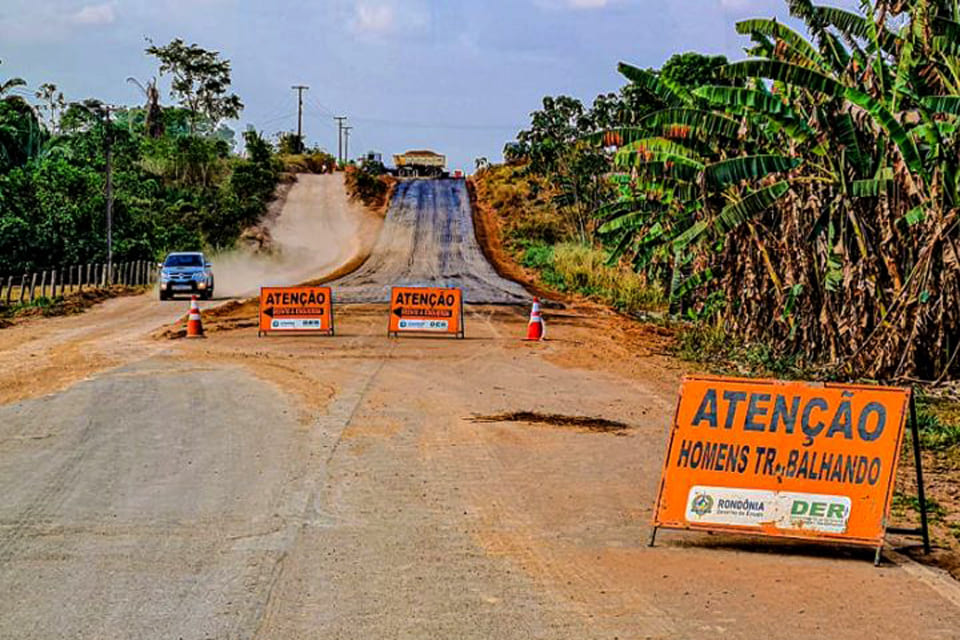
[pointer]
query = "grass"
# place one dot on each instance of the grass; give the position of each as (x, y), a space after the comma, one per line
(40, 302)
(524, 204)
(577, 268)
(902, 503)
(710, 344)
(937, 431)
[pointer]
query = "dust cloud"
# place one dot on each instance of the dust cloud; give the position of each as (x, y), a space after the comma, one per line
(318, 230)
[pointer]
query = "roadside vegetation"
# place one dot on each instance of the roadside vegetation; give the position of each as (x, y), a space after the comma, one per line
(805, 199)
(797, 212)
(368, 182)
(542, 238)
(178, 182)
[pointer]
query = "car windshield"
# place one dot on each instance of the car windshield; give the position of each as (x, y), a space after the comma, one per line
(185, 260)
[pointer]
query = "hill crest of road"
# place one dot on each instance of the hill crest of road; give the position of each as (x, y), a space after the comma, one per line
(428, 239)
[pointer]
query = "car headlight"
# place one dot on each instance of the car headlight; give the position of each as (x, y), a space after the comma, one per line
(164, 277)
(200, 276)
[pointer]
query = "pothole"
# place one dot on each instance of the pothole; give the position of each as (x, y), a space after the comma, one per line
(597, 425)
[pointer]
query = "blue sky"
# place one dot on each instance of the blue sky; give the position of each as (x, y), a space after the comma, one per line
(455, 76)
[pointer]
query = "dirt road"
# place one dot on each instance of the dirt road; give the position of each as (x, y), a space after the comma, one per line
(358, 487)
(318, 231)
(428, 239)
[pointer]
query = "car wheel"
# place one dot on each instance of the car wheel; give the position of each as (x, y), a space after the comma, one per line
(164, 296)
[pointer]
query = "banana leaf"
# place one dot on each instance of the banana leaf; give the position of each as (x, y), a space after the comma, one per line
(736, 213)
(697, 120)
(893, 128)
(671, 94)
(943, 104)
(791, 74)
(734, 170)
(775, 29)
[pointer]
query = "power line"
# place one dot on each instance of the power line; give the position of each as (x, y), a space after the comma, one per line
(439, 125)
(277, 119)
(322, 118)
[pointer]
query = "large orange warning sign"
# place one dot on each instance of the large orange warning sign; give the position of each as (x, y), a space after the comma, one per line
(296, 309)
(790, 459)
(426, 309)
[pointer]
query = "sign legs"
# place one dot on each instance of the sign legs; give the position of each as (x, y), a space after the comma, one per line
(918, 461)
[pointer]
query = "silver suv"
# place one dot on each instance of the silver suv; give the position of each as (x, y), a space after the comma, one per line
(186, 273)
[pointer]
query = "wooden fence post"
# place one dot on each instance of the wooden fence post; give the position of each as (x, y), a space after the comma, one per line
(33, 285)
(53, 284)
(23, 287)
(9, 288)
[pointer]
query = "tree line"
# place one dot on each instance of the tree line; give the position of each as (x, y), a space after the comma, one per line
(177, 181)
(805, 198)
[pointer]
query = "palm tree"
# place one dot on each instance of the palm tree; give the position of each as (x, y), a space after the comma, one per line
(21, 135)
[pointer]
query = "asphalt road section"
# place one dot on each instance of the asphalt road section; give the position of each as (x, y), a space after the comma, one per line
(428, 239)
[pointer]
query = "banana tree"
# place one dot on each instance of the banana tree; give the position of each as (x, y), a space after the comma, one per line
(815, 184)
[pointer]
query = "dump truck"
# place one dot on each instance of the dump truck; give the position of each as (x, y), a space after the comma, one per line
(420, 164)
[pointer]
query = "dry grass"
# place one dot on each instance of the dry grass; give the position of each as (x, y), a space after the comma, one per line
(524, 203)
(584, 269)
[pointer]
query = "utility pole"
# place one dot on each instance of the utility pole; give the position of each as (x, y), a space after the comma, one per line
(109, 143)
(340, 120)
(346, 143)
(299, 88)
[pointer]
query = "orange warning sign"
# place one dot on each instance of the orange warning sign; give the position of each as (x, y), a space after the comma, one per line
(296, 309)
(427, 310)
(791, 459)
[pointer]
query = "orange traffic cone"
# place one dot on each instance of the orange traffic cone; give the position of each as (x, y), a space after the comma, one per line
(536, 329)
(194, 324)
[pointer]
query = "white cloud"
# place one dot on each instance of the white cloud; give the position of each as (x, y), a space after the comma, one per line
(374, 18)
(95, 14)
(382, 18)
(29, 21)
(573, 4)
(587, 4)
(738, 4)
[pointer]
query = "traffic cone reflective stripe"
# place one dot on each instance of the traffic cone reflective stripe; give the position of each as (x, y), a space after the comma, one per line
(536, 329)
(194, 324)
